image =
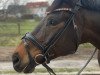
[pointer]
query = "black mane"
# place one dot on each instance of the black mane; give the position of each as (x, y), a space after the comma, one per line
(88, 4)
(91, 4)
(58, 3)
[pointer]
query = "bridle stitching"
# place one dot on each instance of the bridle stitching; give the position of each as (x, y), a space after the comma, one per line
(58, 10)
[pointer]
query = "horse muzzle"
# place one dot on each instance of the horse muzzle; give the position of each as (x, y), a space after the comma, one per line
(20, 67)
(17, 62)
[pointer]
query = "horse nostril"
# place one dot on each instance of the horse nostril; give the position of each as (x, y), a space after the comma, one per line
(16, 59)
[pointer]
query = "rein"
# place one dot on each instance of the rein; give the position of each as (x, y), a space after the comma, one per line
(87, 62)
(46, 49)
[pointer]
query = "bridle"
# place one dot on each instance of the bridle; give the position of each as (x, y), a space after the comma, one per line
(46, 49)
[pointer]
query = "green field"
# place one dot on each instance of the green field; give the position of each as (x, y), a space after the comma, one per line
(11, 32)
(13, 27)
(56, 70)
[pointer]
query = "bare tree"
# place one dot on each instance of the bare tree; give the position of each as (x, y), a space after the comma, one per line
(16, 2)
(3, 10)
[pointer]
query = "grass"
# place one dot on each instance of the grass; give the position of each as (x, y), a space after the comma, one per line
(9, 31)
(10, 41)
(56, 70)
(87, 45)
(7, 72)
(13, 28)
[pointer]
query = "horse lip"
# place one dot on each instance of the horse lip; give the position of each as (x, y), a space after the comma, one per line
(28, 70)
(23, 69)
(18, 69)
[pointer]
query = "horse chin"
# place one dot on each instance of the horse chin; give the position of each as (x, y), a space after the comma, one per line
(18, 69)
(26, 69)
(29, 69)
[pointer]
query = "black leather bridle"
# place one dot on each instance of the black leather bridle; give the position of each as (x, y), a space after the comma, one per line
(45, 49)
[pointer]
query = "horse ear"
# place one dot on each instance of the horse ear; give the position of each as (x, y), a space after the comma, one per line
(55, 5)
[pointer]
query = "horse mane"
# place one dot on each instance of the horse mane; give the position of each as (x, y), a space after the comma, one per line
(88, 4)
(59, 3)
(91, 4)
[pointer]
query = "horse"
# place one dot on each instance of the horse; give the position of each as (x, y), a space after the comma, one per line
(68, 24)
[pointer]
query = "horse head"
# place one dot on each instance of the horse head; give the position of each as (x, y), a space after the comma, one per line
(56, 35)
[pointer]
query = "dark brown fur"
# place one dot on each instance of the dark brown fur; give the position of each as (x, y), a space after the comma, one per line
(88, 26)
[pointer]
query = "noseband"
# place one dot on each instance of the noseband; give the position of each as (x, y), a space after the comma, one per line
(46, 49)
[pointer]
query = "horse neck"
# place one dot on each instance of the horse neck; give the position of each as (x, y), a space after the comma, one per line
(89, 26)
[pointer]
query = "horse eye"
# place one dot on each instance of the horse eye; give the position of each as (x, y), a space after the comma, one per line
(51, 22)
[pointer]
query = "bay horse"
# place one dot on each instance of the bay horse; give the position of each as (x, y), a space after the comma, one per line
(59, 34)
